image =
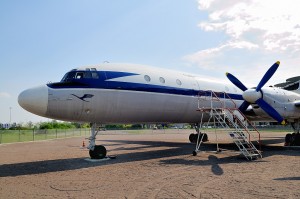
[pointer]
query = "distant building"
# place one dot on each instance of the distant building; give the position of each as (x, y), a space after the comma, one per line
(7, 125)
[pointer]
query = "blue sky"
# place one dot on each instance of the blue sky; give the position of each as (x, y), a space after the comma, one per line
(42, 40)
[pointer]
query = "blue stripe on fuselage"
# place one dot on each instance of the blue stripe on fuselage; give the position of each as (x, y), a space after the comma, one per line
(102, 83)
(113, 74)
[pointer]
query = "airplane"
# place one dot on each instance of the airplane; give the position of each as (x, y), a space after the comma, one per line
(112, 93)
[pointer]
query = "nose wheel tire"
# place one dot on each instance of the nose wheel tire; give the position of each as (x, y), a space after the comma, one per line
(99, 152)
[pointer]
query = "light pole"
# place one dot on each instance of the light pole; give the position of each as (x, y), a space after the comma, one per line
(10, 115)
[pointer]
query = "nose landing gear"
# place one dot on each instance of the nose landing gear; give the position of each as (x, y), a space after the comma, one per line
(99, 152)
(95, 151)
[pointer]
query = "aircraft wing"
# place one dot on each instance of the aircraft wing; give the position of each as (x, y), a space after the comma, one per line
(251, 115)
(291, 84)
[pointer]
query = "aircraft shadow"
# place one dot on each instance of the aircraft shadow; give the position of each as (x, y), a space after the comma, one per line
(46, 166)
(174, 149)
(273, 140)
(212, 161)
(288, 178)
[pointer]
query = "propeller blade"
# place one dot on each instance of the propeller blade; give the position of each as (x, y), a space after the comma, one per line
(244, 106)
(270, 110)
(236, 82)
(268, 75)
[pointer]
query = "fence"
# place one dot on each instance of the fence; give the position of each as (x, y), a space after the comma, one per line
(9, 136)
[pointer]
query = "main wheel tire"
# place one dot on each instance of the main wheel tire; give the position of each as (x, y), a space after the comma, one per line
(288, 139)
(192, 138)
(205, 137)
(99, 152)
(293, 139)
(297, 139)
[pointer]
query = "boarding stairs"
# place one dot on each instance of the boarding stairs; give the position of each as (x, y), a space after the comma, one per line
(224, 115)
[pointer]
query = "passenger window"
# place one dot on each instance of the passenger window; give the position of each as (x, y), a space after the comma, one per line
(178, 82)
(162, 80)
(147, 78)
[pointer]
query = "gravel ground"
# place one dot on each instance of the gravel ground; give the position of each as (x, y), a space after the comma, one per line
(148, 165)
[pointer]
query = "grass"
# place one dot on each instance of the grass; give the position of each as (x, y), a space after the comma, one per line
(10, 136)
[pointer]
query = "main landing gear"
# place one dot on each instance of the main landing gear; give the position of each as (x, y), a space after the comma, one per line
(294, 138)
(96, 151)
(198, 138)
(194, 136)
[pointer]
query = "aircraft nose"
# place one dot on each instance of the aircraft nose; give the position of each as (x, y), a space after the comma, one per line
(35, 100)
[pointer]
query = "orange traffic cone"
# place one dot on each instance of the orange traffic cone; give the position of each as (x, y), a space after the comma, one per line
(83, 144)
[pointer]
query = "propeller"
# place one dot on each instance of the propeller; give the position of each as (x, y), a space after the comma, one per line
(252, 96)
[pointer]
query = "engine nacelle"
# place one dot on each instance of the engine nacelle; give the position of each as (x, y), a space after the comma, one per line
(282, 100)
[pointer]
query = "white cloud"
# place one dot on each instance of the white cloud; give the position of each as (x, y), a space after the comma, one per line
(205, 4)
(207, 58)
(4, 95)
(259, 33)
(277, 22)
(271, 19)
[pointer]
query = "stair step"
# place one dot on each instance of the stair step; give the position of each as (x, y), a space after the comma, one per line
(241, 139)
(241, 142)
(253, 155)
(249, 149)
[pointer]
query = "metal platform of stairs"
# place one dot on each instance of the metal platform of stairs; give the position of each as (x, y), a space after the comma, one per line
(221, 113)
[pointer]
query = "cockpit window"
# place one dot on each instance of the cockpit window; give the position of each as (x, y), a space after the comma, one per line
(80, 75)
(68, 77)
(87, 75)
(95, 75)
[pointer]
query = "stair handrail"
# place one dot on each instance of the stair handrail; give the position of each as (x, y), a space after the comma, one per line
(215, 96)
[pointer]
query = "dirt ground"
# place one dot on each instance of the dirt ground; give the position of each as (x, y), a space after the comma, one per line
(148, 165)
